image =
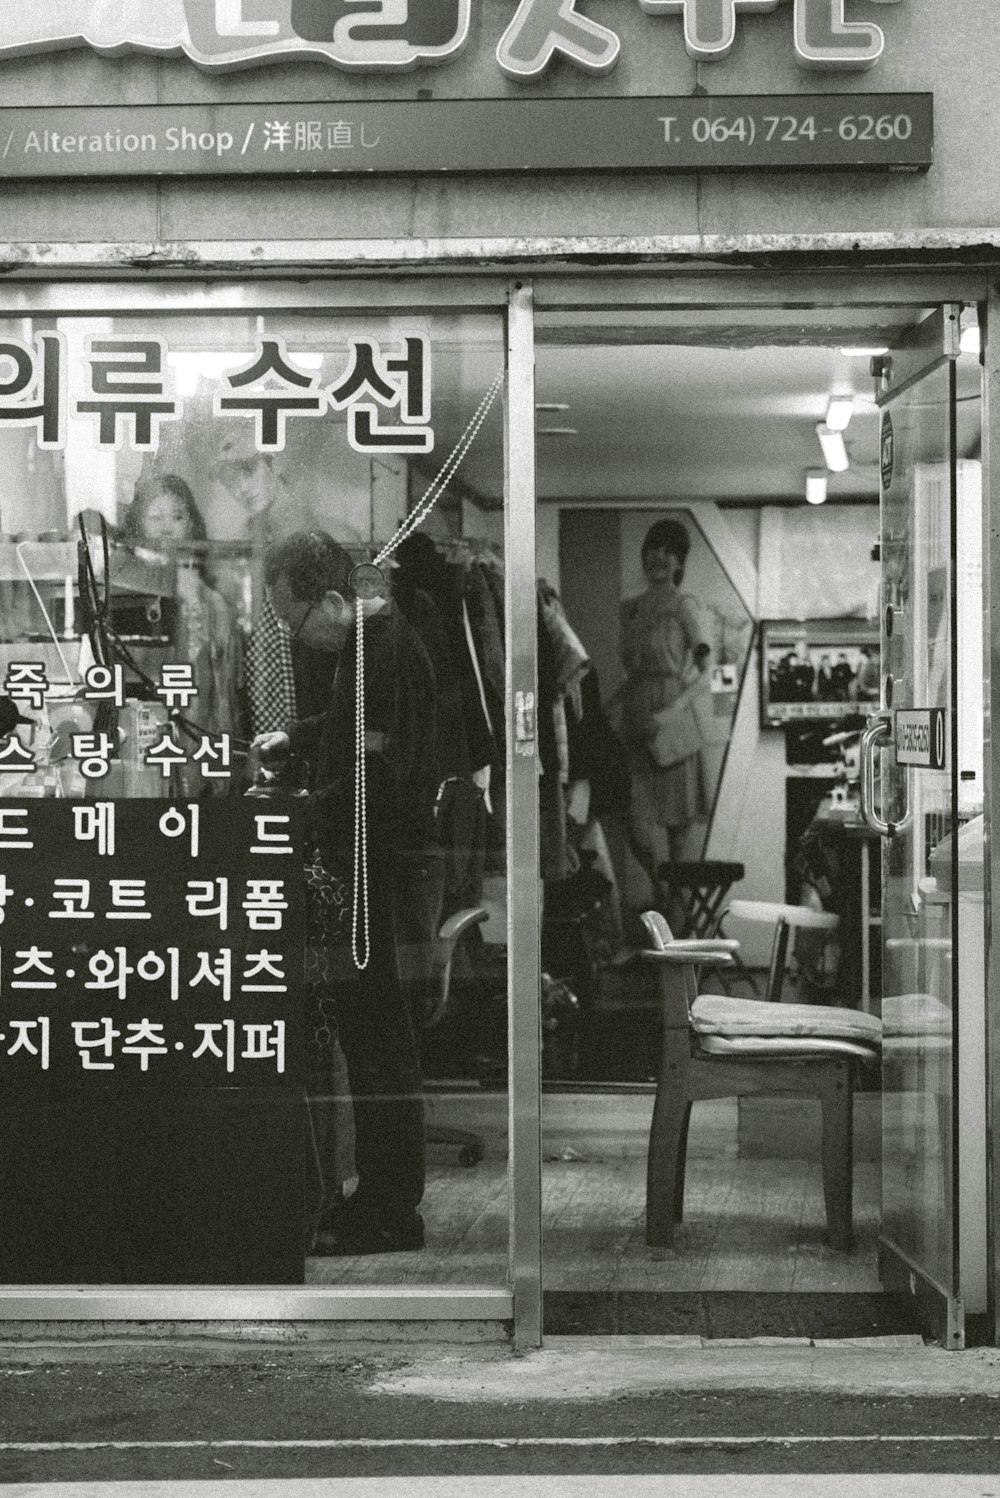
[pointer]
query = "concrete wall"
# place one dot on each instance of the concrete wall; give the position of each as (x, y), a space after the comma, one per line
(951, 50)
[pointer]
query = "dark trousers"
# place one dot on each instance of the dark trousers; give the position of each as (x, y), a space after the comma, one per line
(383, 1065)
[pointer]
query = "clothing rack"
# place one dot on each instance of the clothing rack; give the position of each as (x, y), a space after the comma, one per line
(469, 549)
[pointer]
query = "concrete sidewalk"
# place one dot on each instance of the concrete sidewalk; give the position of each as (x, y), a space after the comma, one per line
(565, 1369)
(570, 1368)
(195, 1409)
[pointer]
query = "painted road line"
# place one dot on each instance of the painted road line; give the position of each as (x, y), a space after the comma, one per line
(509, 1443)
(843, 1485)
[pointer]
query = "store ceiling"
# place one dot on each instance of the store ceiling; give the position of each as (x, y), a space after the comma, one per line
(677, 422)
(656, 404)
(662, 408)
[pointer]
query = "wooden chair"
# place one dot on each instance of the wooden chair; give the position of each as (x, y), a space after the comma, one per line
(718, 1046)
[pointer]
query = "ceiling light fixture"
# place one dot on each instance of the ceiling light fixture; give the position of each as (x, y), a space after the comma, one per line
(864, 353)
(557, 432)
(839, 412)
(834, 450)
(970, 341)
(551, 406)
(815, 486)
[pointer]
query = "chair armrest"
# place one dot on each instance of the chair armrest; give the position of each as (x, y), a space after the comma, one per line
(451, 932)
(687, 957)
(705, 946)
(463, 920)
(801, 917)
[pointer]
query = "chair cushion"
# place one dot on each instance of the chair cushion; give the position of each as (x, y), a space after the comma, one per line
(720, 1014)
(916, 1027)
(784, 1048)
(916, 1015)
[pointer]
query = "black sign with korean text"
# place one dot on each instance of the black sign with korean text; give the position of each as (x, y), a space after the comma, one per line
(668, 134)
(150, 943)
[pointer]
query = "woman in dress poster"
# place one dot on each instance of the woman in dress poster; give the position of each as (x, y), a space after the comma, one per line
(665, 652)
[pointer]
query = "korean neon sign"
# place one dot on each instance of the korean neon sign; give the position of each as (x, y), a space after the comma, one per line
(393, 35)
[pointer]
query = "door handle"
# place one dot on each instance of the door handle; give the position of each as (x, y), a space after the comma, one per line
(878, 735)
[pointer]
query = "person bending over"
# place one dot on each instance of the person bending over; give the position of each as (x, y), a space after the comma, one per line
(307, 575)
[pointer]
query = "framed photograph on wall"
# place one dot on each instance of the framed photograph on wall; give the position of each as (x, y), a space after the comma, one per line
(817, 669)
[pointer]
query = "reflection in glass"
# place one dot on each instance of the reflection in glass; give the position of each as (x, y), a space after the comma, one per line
(193, 538)
(917, 1011)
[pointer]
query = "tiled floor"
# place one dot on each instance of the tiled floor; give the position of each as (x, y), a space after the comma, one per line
(749, 1224)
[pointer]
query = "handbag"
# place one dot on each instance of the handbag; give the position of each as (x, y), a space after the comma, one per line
(678, 732)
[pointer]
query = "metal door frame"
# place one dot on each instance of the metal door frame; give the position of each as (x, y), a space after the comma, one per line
(934, 345)
(781, 275)
(989, 319)
(518, 1301)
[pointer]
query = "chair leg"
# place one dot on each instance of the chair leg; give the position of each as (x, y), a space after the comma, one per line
(838, 1155)
(665, 1167)
(682, 1146)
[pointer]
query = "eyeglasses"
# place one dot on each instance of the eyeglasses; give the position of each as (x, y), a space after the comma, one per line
(294, 632)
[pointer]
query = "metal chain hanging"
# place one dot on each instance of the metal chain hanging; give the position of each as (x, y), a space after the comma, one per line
(368, 581)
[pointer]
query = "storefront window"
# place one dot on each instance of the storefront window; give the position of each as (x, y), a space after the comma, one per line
(253, 880)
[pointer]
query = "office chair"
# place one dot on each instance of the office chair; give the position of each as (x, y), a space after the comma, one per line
(469, 1144)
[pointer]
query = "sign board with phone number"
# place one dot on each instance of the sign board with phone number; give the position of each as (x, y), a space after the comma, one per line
(737, 132)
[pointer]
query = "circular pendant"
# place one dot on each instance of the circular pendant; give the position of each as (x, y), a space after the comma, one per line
(368, 581)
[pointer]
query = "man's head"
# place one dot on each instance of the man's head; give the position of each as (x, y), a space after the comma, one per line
(307, 578)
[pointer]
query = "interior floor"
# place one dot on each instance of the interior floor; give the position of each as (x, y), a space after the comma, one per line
(750, 1225)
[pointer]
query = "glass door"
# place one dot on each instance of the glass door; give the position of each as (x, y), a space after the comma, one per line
(195, 492)
(910, 765)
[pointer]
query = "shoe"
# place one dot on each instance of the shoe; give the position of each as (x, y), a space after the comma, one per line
(367, 1235)
(352, 1214)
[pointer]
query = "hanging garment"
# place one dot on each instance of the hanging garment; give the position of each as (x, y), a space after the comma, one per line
(552, 803)
(461, 822)
(488, 639)
(570, 659)
(421, 566)
(424, 615)
(596, 753)
(270, 674)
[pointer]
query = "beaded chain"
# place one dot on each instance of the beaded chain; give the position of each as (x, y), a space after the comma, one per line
(368, 582)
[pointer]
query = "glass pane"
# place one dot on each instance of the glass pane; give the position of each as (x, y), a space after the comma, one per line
(262, 1000)
(644, 667)
(918, 930)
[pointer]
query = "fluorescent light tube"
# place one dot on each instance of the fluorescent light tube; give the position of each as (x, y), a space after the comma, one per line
(815, 486)
(834, 451)
(839, 412)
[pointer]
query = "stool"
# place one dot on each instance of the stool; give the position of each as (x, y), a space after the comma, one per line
(697, 888)
(693, 892)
